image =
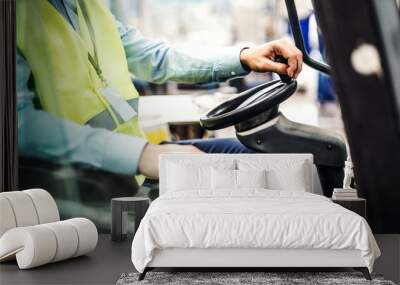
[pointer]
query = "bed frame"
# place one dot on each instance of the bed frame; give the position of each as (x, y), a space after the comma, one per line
(240, 259)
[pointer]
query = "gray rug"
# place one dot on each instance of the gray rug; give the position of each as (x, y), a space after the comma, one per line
(243, 278)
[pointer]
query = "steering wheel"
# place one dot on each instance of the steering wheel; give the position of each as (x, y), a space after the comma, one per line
(250, 103)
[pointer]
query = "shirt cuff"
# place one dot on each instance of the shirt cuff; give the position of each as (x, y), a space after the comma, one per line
(122, 153)
(228, 64)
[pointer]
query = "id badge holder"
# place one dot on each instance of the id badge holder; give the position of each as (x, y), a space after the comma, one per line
(119, 105)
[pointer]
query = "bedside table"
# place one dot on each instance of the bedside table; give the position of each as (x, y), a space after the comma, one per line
(357, 205)
(119, 215)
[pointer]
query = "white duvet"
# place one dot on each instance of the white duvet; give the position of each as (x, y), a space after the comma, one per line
(250, 219)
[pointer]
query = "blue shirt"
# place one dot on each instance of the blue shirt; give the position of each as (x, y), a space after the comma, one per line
(43, 135)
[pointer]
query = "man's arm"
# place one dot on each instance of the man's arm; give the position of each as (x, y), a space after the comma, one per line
(45, 136)
(42, 135)
(156, 62)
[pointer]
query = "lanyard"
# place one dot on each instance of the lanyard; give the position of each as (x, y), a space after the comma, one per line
(93, 59)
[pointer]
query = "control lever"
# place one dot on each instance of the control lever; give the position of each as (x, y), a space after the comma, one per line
(284, 77)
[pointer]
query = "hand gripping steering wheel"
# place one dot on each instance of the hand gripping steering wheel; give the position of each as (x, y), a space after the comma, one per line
(253, 113)
(250, 103)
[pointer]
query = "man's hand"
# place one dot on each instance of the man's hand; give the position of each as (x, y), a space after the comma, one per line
(148, 163)
(261, 58)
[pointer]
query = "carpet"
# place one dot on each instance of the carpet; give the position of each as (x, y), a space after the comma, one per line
(244, 278)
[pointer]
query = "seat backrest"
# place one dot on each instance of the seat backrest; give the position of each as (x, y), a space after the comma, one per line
(285, 166)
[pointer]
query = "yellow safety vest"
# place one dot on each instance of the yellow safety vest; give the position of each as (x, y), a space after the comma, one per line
(65, 81)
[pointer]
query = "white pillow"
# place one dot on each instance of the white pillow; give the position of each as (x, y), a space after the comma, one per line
(251, 178)
(186, 175)
(231, 180)
(181, 177)
(282, 174)
(223, 179)
(295, 180)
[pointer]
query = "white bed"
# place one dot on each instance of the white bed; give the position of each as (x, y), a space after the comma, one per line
(281, 225)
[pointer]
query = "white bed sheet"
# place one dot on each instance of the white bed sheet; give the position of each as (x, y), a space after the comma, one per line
(256, 218)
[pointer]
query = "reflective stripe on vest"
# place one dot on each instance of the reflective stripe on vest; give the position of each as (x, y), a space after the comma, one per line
(104, 119)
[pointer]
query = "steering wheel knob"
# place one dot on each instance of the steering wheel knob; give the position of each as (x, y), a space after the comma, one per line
(284, 77)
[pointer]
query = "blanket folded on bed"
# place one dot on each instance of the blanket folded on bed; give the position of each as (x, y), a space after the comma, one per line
(256, 218)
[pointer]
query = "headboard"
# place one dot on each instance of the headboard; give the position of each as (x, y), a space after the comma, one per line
(200, 159)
